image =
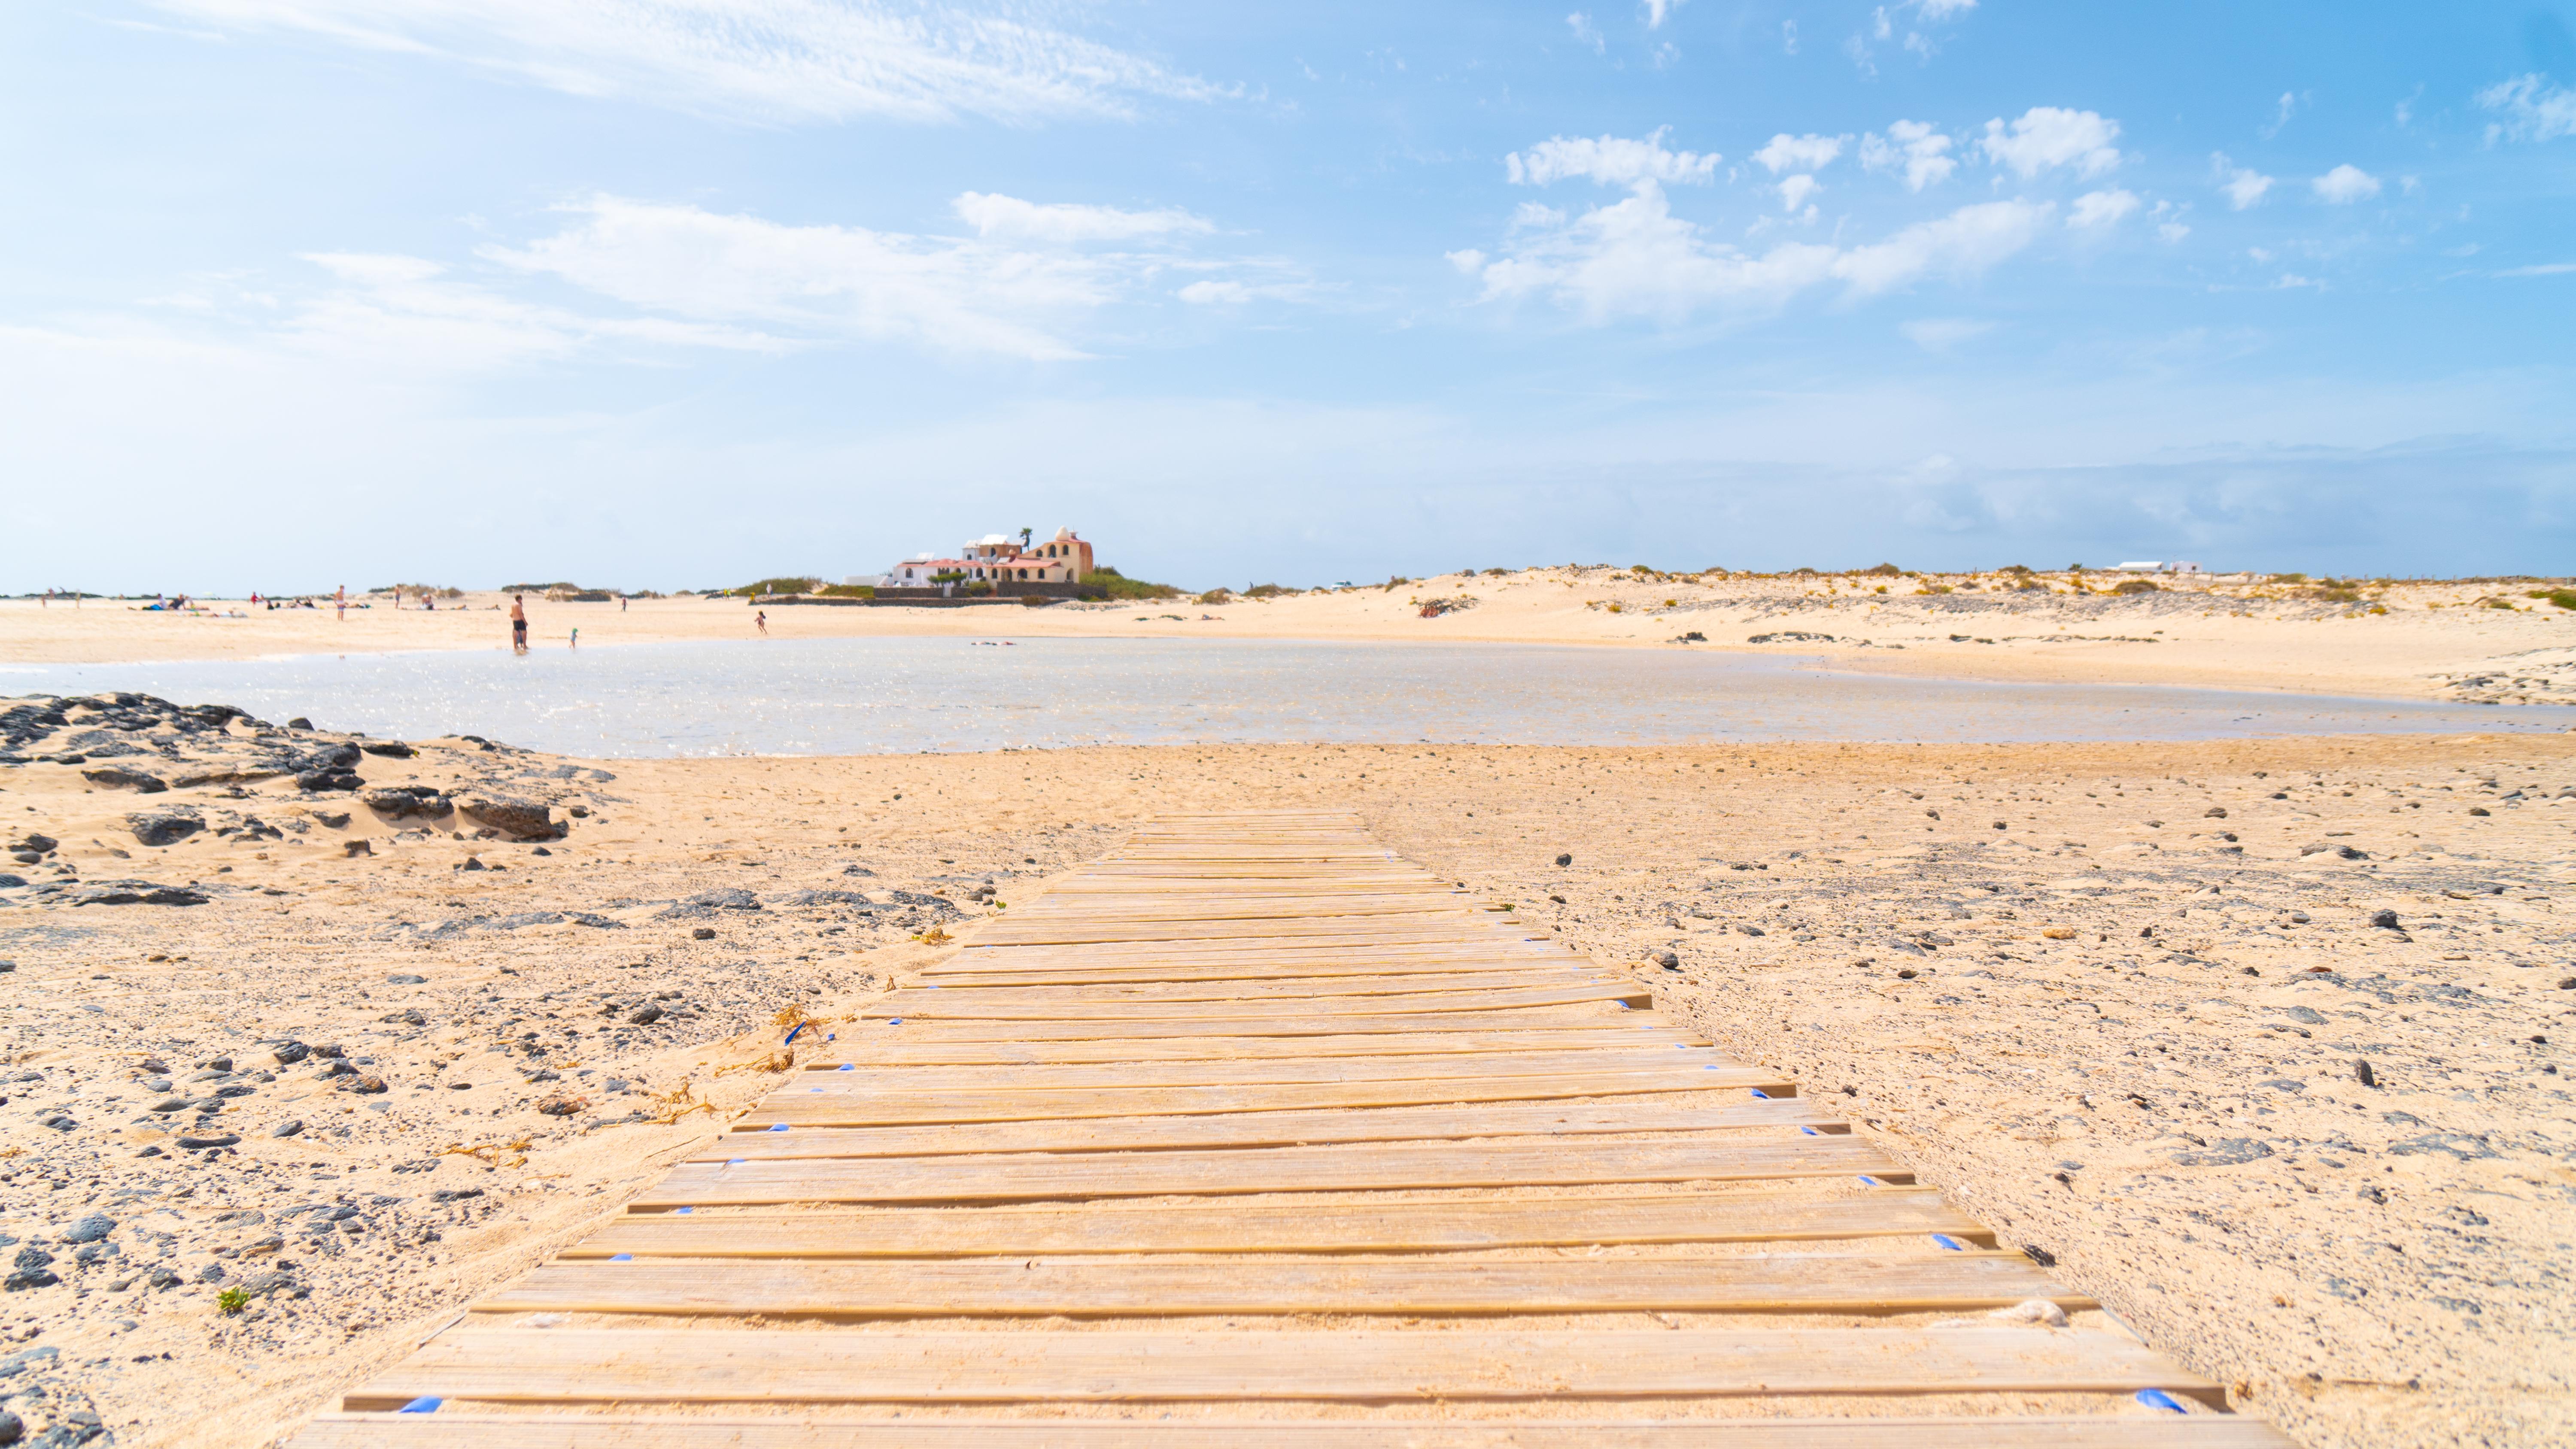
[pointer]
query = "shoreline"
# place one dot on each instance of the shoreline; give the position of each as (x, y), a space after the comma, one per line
(2439, 642)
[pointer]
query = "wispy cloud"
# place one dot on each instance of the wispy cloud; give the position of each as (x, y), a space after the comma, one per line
(1008, 216)
(2045, 137)
(1610, 160)
(1940, 334)
(763, 60)
(1585, 31)
(2242, 185)
(2542, 269)
(1634, 258)
(2345, 185)
(2531, 108)
(1915, 148)
(1799, 153)
(2101, 208)
(1658, 11)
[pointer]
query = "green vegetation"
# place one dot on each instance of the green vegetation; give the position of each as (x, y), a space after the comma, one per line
(420, 591)
(1116, 585)
(2563, 598)
(1266, 591)
(2137, 586)
(566, 585)
(232, 1301)
(1883, 571)
(847, 591)
(2287, 579)
(1216, 596)
(786, 584)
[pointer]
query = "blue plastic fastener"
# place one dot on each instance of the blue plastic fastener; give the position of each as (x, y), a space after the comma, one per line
(2159, 1399)
(831, 1036)
(736, 1161)
(684, 1210)
(845, 1066)
(894, 1021)
(621, 1257)
(1810, 1131)
(791, 1036)
(1868, 1181)
(777, 1126)
(1757, 1092)
(1944, 1240)
(813, 1089)
(425, 1404)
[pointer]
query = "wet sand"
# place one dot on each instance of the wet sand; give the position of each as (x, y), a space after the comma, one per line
(2045, 974)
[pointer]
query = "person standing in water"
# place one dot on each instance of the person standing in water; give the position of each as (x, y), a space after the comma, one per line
(519, 623)
(576, 638)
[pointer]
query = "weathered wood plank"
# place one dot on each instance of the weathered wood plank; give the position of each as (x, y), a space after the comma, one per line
(895, 1109)
(1366, 1167)
(1450, 1225)
(889, 1048)
(1262, 1129)
(929, 1006)
(717, 1366)
(2092, 1431)
(871, 1081)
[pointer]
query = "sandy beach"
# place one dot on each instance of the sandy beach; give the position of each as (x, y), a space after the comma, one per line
(2476, 642)
(362, 1056)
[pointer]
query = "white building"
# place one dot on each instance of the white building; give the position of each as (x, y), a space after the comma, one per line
(995, 558)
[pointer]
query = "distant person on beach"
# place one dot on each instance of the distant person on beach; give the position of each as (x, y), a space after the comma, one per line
(519, 623)
(621, 603)
(762, 619)
(576, 638)
(340, 600)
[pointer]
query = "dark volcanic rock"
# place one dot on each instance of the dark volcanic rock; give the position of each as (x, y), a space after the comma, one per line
(527, 819)
(390, 749)
(165, 827)
(117, 777)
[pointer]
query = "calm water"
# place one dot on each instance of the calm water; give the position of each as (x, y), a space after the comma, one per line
(874, 696)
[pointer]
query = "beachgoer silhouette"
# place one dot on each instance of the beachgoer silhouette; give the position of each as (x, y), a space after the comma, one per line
(762, 619)
(340, 600)
(519, 623)
(576, 638)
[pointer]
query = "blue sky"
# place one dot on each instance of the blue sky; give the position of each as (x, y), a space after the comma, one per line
(666, 293)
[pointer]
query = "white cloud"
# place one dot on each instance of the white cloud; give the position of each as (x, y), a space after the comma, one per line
(1008, 216)
(1944, 9)
(1658, 10)
(1940, 334)
(2533, 110)
(835, 282)
(2102, 208)
(409, 314)
(1584, 31)
(1795, 191)
(1920, 151)
(2172, 231)
(2243, 185)
(794, 60)
(2049, 136)
(2289, 104)
(1799, 153)
(1788, 37)
(1610, 160)
(1218, 293)
(2345, 185)
(2544, 269)
(1634, 258)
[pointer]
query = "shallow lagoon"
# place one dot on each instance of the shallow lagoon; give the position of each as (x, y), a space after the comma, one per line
(875, 696)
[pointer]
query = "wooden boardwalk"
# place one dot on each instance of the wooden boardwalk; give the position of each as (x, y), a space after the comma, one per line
(1252, 1134)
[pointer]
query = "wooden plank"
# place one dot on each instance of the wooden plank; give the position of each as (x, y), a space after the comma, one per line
(929, 1007)
(1450, 1225)
(924, 1108)
(888, 1048)
(871, 1081)
(719, 1366)
(1480, 964)
(1125, 1288)
(1367, 1167)
(1262, 1129)
(1589, 1014)
(1327, 991)
(2090, 1431)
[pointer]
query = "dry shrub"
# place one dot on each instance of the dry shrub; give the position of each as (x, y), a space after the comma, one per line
(491, 1154)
